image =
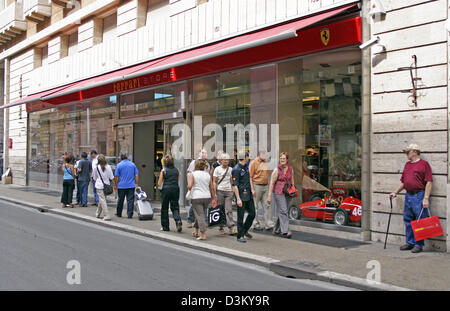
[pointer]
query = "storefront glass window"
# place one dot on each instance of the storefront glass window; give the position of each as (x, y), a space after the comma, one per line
(151, 102)
(309, 107)
(316, 104)
(231, 100)
(319, 112)
(73, 129)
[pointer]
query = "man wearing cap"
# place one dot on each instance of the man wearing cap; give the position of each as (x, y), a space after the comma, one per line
(244, 196)
(417, 180)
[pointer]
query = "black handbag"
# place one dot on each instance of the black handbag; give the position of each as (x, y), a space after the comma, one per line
(216, 216)
(107, 189)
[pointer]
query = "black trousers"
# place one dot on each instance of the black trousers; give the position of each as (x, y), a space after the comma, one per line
(243, 227)
(170, 197)
(67, 195)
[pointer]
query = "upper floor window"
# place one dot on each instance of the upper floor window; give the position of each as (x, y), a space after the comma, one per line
(73, 43)
(110, 27)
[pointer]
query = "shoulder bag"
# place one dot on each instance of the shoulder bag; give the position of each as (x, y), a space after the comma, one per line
(107, 189)
(289, 190)
(223, 177)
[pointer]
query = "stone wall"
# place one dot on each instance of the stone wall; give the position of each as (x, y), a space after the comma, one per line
(410, 27)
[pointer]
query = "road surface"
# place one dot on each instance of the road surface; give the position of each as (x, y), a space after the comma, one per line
(42, 251)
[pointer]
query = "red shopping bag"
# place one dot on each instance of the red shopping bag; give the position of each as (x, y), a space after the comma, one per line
(426, 228)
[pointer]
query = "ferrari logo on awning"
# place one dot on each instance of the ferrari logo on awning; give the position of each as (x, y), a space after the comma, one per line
(325, 36)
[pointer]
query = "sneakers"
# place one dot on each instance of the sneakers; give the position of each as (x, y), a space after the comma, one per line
(179, 226)
(242, 240)
(248, 235)
(406, 247)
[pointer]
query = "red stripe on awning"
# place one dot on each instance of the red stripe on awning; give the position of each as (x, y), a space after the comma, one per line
(231, 53)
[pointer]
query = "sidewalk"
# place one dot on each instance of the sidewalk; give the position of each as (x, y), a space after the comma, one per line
(309, 255)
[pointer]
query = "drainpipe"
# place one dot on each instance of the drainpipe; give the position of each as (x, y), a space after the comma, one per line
(6, 117)
(366, 130)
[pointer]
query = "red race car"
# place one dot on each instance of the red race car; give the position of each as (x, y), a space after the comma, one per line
(329, 209)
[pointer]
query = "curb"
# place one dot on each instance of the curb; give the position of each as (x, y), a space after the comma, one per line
(293, 270)
(285, 269)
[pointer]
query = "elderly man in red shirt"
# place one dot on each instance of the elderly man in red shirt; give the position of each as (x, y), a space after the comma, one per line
(417, 180)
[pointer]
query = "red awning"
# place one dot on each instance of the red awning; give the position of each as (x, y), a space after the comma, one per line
(37, 96)
(278, 41)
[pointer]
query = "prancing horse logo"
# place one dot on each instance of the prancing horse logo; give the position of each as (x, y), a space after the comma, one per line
(325, 36)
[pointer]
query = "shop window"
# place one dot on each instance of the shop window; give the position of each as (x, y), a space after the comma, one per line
(150, 102)
(319, 112)
(236, 101)
(315, 104)
(74, 129)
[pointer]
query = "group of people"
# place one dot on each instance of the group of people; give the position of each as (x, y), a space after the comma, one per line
(215, 185)
(250, 183)
(96, 169)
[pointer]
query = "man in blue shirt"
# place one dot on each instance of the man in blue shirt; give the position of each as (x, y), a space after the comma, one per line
(126, 176)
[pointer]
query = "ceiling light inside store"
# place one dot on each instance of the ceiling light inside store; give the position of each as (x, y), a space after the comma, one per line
(312, 98)
(232, 88)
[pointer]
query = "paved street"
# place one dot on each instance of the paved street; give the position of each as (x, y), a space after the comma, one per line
(36, 247)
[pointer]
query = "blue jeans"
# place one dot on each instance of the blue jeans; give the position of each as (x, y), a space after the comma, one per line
(83, 188)
(78, 192)
(129, 193)
(191, 216)
(95, 191)
(413, 207)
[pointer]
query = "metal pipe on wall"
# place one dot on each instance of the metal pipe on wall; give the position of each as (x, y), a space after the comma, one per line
(6, 115)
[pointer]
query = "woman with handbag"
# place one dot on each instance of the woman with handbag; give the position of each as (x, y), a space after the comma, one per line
(281, 183)
(168, 182)
(103, 178)
(201, 190)
(68, 182)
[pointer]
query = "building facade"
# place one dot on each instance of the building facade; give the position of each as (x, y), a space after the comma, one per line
(143, 77)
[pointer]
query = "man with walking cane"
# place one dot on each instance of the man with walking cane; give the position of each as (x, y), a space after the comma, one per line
(417, 180)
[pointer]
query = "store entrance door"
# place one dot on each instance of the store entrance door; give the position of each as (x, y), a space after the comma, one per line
(148, 145)
(179, 162)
